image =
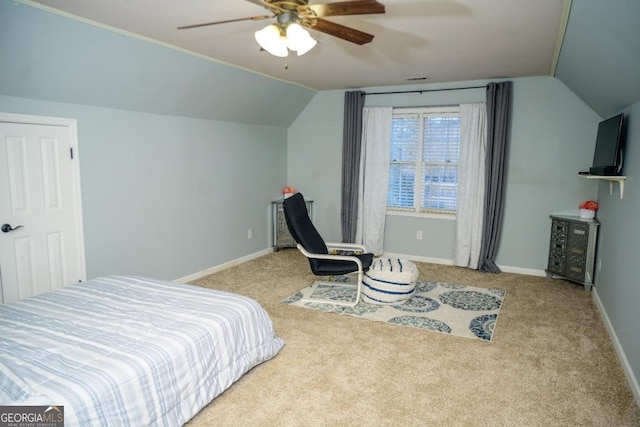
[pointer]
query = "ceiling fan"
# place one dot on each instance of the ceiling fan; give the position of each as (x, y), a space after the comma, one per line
(292, 15)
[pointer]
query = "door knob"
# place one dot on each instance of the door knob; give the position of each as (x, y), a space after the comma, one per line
(7, 228)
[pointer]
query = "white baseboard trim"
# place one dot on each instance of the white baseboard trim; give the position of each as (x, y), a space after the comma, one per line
(444, 261)
(224, 266)
(526, 271)
(633, 381)
(417, 258)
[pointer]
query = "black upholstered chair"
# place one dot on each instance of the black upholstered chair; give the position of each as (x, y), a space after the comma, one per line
(320, 253)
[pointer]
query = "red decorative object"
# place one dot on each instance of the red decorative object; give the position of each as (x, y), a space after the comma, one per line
(590, 205)
(288, 191)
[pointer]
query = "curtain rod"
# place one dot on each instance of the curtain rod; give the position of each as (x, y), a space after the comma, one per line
(425, 90)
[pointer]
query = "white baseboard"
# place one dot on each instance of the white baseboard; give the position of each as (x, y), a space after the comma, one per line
(224, 266)
(520, 270)
(633, 381)
(417, 258)
(444, 261)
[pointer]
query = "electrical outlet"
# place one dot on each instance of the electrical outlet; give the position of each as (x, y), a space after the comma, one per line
(419, 235)
(249, 233)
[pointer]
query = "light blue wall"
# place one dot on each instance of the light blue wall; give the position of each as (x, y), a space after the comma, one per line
(169, 196)
(552, 138)
(618, 282)
(180, 156)
(49, 57)
(314, 156)
(600, 57)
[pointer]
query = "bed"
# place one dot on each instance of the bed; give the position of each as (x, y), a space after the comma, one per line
(129, 351)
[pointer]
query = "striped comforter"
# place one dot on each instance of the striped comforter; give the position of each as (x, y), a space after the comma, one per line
(129, 351)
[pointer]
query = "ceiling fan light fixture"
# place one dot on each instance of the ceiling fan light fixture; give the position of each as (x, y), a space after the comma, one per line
(269, 39)
(299, 40)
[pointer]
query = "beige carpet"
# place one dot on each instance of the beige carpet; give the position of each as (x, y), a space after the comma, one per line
(551, 361)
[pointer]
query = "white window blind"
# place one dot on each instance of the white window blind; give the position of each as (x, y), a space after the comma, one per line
(423, 170)
(405, 147)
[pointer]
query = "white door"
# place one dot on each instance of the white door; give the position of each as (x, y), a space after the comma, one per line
(41, 237)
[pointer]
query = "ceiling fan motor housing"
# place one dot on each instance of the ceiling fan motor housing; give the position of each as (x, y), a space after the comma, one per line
(313, 16)
(288, 12)
(286, 18)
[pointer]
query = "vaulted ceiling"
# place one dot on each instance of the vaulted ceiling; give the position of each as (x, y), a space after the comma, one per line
(434, 40)
(591, 45)
(600, 56)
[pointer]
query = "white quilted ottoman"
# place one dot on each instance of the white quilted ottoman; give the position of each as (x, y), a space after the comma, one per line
(389, 281)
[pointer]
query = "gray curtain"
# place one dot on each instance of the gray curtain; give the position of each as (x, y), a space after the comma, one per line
(498, 118)
(351, 149)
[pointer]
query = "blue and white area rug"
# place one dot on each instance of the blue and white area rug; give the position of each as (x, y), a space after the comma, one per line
(459, 310)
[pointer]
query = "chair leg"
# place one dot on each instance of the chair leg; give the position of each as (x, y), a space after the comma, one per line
(358, 292)
(344, 303)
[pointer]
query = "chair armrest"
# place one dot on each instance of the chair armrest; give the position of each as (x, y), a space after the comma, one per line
(350, 258)
(348, 246)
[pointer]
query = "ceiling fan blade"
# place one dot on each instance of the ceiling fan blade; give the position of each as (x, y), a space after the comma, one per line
(258, 2)
(272, 7)
(346, 33)
(355, 7)
(251, 18)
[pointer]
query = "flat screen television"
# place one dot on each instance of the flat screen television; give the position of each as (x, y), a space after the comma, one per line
(608, 156)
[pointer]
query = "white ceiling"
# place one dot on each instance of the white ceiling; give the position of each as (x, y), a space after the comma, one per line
(442, 40)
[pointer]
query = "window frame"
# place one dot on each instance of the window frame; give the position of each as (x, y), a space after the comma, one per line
(417, 210)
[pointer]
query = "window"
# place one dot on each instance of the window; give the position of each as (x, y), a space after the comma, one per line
(423, 170)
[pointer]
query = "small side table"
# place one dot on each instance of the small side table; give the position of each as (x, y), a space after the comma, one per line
(572, 249)
(281, 238)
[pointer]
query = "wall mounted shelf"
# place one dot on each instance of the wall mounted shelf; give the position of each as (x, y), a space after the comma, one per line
(611, 179)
